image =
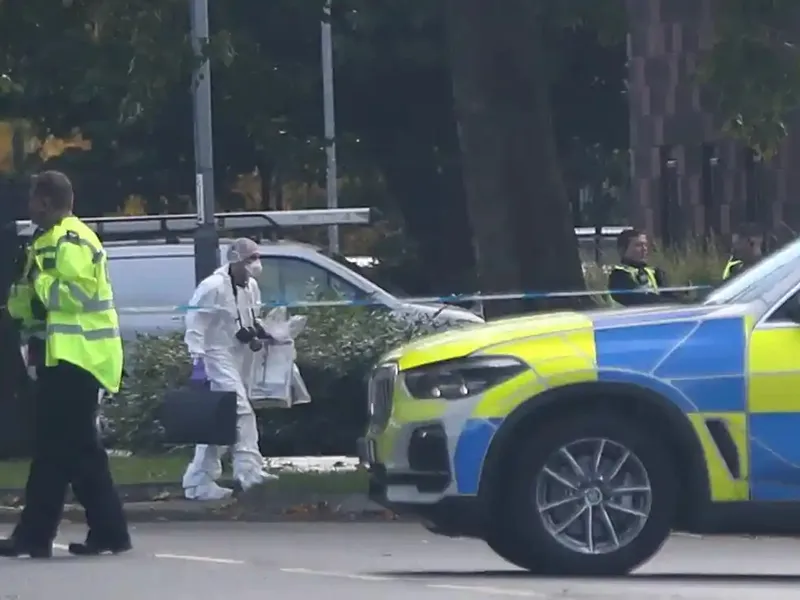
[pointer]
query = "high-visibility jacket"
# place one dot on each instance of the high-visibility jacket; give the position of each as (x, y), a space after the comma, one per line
(644, 276)
(732, 268)
(629, 277)
(70, 278)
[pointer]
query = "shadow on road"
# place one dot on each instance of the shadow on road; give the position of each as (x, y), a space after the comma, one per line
(642, 577)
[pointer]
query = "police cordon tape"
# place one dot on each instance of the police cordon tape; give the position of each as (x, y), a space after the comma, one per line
(451, 299)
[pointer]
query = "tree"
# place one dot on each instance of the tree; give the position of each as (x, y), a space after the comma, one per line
(394, 95)
(394, 92)
(106, 67)
(515, 193)
(753, 69)
(122, 76)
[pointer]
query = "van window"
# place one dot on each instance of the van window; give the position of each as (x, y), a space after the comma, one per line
(289, 280)
(140, 282)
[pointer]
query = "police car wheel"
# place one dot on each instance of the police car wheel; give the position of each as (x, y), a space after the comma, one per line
(591, 494)
(511, 548)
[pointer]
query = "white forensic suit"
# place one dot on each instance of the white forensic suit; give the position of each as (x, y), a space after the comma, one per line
(210, 336)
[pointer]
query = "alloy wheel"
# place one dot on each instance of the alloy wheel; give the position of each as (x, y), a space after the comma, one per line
(593, 496)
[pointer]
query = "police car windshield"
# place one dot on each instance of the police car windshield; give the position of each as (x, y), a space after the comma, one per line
(754, 282)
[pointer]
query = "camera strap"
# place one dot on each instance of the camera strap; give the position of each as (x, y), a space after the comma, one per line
(236, 302)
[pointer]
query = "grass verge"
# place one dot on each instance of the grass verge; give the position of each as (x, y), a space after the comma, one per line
(169, 470)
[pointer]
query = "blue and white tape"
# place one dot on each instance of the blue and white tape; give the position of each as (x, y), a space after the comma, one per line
(451, 299)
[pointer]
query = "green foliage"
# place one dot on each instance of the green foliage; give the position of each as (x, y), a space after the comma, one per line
(154, 364)
(335, 354)
(753, 69)
(692, 263)
(94, 64)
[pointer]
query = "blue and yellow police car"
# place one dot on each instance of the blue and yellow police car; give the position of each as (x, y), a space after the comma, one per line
(574, 443)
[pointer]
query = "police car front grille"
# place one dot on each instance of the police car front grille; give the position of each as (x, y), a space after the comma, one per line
(381, 390)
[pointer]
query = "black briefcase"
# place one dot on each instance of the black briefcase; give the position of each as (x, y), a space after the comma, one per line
(197, 415)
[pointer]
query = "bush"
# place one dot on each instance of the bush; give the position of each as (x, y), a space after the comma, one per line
(335, 354)
(153, 364)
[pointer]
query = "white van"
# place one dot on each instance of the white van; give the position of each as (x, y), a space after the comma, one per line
(147, 275)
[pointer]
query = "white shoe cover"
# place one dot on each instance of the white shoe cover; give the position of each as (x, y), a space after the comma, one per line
(207, 492)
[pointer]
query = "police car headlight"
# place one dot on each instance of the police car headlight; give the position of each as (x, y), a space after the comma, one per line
(460, 378)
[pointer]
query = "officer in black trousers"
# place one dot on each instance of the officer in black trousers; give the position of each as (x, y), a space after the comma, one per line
(65, 288)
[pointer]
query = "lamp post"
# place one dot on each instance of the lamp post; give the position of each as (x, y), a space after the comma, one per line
(332, 192)
(206, 242)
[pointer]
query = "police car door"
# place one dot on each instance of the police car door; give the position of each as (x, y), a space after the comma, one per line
(773, 404)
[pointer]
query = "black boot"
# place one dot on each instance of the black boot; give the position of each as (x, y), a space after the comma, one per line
(12, 547)
(92, 548)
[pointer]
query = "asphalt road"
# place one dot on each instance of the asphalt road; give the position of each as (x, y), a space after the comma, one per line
(390, 560)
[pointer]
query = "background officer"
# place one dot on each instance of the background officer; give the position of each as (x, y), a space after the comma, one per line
(748, 243)
(633, 272)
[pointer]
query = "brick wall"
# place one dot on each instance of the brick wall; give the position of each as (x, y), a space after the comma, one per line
(686, 179)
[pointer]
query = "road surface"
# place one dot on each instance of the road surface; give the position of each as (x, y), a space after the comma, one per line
(395, 561)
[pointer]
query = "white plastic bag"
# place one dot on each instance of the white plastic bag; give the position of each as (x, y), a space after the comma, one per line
(276, 381)
(300, 393)
(273, 374)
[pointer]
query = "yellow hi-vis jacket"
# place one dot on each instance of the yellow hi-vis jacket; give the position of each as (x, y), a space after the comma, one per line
(69, 276)
(647, 276)
(732, 268)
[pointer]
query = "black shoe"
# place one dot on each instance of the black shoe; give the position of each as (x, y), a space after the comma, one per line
(95, 548)
(12, 547)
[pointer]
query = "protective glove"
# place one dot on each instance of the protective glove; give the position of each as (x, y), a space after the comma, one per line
(38, 309)
(198, 371)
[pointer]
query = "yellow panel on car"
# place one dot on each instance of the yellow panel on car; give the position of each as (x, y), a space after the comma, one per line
(773, 371)
(724, 486)
(556, 359)
(463, 342)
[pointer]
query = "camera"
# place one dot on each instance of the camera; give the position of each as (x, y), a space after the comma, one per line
(261, 333)
(245, 335)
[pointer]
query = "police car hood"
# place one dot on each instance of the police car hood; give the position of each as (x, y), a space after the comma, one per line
(465, 340)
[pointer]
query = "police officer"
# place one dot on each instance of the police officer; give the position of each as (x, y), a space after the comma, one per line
(633, 272)
(66, 287)
(747, 246)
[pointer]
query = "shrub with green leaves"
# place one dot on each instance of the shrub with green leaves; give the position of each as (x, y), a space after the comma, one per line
(153, 365)
(335, 353)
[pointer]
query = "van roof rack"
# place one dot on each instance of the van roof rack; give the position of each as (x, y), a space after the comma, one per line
(604, 231)
(255, 224)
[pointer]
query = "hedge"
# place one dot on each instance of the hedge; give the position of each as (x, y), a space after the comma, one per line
(335, 353)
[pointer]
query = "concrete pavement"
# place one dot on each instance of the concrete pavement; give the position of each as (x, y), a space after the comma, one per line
(356, 561)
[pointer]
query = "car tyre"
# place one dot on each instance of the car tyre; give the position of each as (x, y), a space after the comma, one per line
(512, 549)
(532, 546)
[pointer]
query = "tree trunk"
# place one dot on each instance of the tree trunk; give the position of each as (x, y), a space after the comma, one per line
(432, 203)
(523, 233)
(266, 170)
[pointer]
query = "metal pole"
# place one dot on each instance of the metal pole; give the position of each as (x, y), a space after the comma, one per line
(330, 122)
(206, 243)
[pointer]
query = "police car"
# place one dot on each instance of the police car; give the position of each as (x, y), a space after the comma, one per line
(573, 443)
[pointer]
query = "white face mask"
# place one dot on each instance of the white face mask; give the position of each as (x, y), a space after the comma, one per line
(254, 269)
